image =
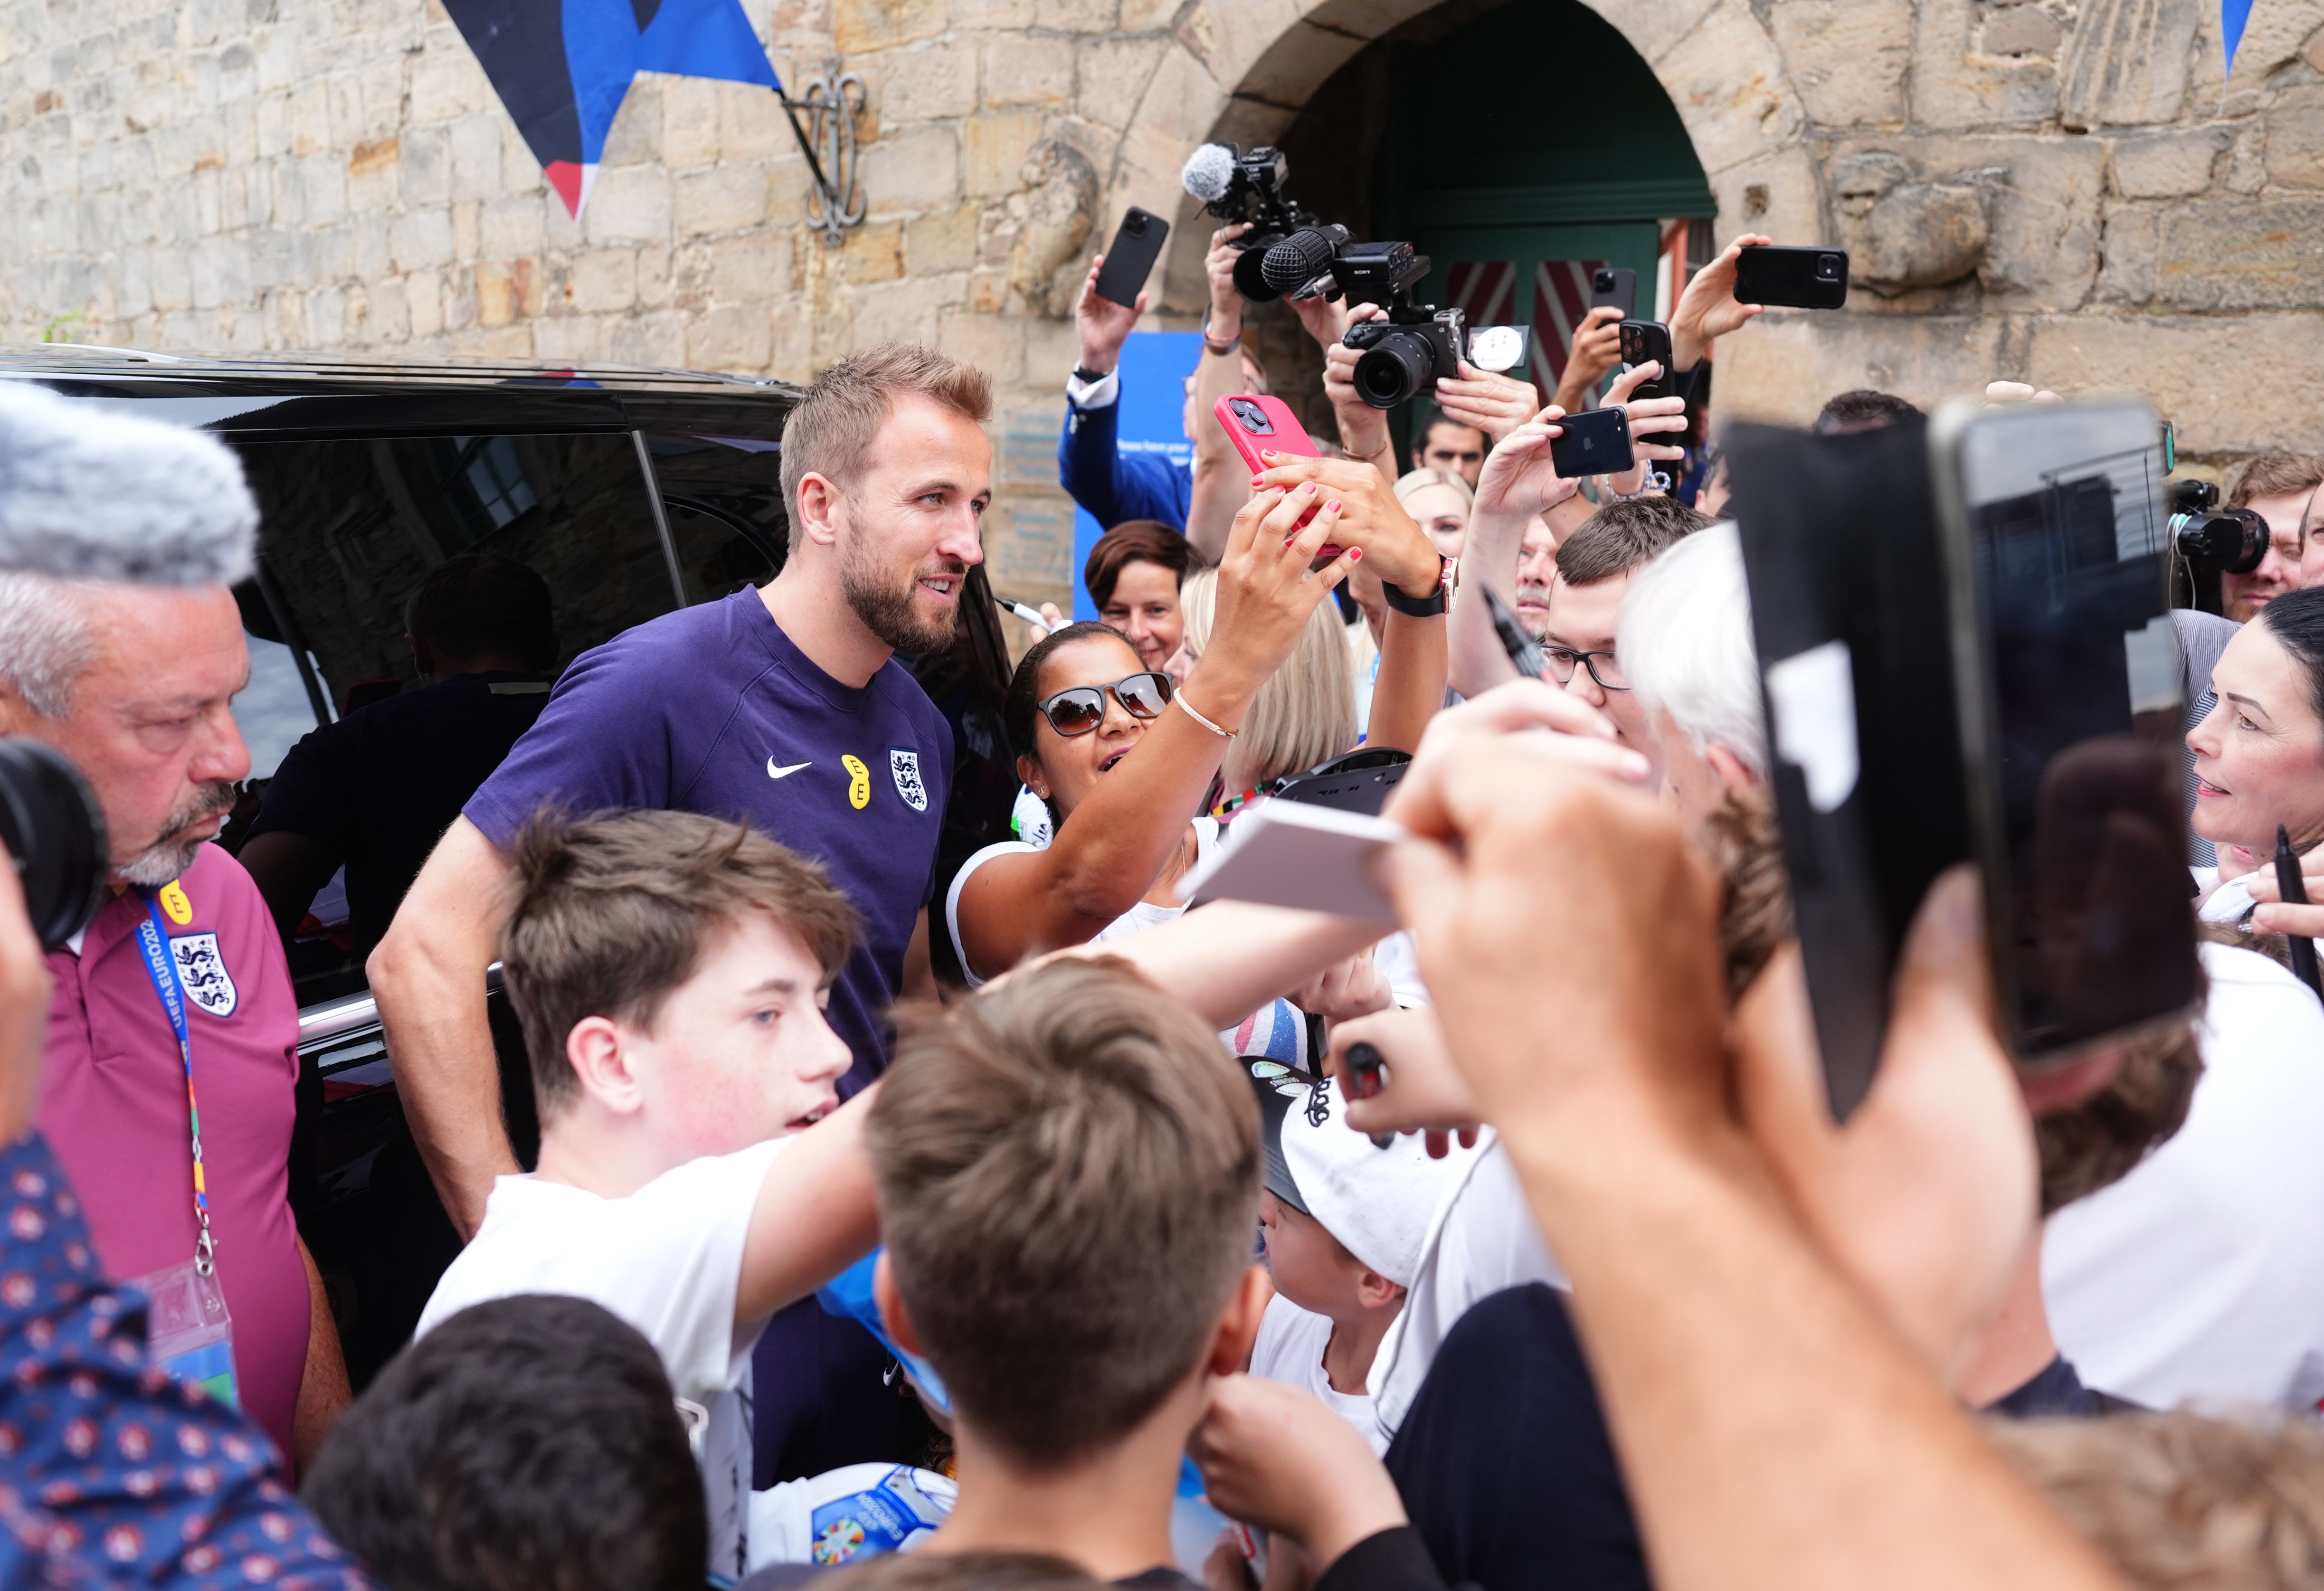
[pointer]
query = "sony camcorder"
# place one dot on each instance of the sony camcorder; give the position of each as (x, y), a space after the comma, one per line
(1403, 355)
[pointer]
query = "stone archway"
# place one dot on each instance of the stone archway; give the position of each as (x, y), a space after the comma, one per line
(1243, 69)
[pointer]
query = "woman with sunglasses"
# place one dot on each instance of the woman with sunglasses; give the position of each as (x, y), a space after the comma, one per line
(1083, 700)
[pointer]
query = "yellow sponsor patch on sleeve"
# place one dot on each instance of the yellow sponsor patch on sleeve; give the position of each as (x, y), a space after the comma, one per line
(859, 782)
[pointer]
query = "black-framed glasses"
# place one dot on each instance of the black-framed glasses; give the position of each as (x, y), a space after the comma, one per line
(1080, 709)
(1564, 660)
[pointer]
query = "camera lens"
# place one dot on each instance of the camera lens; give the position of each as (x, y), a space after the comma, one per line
(1134, 225)
(1397, 367)
(1827, 268)
(51, 824)
(1250, 265)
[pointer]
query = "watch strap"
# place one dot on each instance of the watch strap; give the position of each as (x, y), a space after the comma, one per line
(1430, 606)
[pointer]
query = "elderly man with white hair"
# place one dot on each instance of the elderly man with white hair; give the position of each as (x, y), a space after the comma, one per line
(171, 1042)
(1685, 642)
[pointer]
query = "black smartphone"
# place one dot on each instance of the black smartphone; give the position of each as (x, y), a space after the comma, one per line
(1617, 285)
(1130, 258)
(1359, 781)
(1595, 442)
(1797, 278)
(1643, 341)
(2072, 687)
(1856, 677)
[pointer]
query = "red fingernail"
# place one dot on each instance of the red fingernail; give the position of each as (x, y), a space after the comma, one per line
(1267, 453)
(1306, 485)
(1355, 555)
(1258, 480)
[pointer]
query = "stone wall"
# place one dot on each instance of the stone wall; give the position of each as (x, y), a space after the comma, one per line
(2039, 188)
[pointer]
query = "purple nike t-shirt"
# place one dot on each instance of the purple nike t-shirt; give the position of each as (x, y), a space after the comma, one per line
(713, 710)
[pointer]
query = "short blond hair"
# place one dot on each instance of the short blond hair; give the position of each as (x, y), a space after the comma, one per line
(2177, 1500)
(1306, 711)
(1428, 475)
(830, 433)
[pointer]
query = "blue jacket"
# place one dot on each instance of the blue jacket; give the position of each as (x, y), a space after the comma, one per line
(1114, 485)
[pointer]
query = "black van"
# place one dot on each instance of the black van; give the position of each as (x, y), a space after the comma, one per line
(629, 491)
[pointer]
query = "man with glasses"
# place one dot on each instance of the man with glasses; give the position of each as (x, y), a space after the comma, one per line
(1595, 566)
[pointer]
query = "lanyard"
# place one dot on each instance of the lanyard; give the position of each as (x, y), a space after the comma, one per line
(164, 974)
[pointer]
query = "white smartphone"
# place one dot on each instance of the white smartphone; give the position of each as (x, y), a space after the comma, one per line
(1290, 853)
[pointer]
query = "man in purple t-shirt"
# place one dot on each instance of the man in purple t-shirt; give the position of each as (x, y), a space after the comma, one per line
(782, 706)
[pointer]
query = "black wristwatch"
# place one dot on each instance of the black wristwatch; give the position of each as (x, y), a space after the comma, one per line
(1090, 377)
(1428, 607)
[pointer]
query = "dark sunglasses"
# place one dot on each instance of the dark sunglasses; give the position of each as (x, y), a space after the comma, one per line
(1081, 709)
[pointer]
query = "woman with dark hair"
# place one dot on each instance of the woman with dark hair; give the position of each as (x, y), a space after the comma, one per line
(1133, 575)
(2259, 753)
(1084, 699)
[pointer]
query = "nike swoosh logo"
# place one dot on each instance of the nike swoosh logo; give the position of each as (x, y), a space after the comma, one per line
(783, 773)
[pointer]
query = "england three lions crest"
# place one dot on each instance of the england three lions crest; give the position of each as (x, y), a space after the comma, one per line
(202, 974)
(905, 767)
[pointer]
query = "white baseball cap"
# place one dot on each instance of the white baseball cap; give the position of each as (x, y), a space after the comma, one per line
(1378, 1202)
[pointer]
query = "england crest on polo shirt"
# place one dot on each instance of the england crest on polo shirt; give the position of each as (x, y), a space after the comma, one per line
(202, 972)
(905, 767)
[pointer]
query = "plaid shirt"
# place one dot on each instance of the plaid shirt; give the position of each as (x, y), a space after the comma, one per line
(111, 1473)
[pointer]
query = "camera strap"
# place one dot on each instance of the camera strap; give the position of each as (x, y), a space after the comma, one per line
(154, 945)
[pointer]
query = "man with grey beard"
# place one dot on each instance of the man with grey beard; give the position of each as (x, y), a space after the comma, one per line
(177, 989)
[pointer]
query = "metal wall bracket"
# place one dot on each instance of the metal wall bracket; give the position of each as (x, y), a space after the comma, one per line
(833, 103)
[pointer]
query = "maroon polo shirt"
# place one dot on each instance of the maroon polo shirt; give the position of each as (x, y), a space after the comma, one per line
(112, 1104)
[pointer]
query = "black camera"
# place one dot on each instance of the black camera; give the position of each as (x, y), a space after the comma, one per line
(1238, 186)
(55, 832)
(2213, 539)
(1406, 353)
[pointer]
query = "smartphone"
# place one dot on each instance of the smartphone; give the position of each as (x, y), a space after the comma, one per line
(1798, 279)
(1856, 674)
(1595, 442)
(1644, 340)
(1130, 258)
(1254, 423)
(1291, 853)
(2055, 530)
(1617, 285)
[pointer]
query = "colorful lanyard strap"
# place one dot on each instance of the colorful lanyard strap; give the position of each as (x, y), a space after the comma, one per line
(153, 942)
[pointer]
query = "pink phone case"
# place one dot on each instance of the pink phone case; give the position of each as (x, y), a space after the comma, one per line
(1283, 433)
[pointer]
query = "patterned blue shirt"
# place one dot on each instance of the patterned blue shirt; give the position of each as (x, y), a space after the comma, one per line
(111, 1473)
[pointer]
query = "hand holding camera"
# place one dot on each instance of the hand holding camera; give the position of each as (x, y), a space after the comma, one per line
(1708, 309)
(1363, 430)
(1224, 322)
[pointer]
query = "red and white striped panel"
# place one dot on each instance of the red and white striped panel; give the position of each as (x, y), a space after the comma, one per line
(1486, 292)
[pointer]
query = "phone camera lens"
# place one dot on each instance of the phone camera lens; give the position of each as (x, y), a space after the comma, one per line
(1827, 267)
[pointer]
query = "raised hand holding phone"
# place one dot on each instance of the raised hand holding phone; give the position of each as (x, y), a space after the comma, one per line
(1708, 309)
(1393, 546)
(1648, 416)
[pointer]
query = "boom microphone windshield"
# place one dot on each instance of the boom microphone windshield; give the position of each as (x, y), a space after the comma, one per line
(1298, 261)
(1209, 172)
(90, 494)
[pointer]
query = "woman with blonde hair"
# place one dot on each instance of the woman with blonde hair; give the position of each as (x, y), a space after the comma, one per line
(1303, 715)
(1441, 502)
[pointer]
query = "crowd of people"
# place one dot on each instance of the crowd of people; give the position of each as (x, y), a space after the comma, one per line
(997, 1219)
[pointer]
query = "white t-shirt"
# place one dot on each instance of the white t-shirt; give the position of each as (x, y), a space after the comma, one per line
(1290, 1348)
(667, 1259)
(2200, 1274)
(1145, 914)
(1482, 1241)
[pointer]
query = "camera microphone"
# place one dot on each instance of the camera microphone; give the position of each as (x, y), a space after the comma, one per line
(90, 495)
(1209, 172)
(1298, 261)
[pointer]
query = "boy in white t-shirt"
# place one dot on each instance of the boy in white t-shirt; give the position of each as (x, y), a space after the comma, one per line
(670, 972)
(1343, 1223)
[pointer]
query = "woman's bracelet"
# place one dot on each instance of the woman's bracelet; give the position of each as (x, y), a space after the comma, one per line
(1180, 698)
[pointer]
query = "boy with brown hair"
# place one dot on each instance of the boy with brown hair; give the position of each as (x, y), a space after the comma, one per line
(1068, 1177)
(670, 971)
